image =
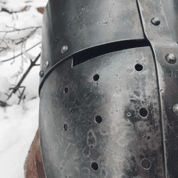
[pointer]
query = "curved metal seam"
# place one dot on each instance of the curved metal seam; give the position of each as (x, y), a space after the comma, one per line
(153, 48)
(136, 44)
(69, 27)
(160, 104)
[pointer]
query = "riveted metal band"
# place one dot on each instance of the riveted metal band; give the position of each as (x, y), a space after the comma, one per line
(165, 51)
(72, 26)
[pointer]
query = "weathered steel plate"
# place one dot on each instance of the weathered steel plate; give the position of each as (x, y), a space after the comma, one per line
(80, 25)
(101, 118)
(164, 44)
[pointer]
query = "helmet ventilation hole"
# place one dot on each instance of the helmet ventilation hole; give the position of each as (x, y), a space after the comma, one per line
(66, 127)
(138, 67)
(98, 119)
(94, 166)
(66, 90)
(143, 112)
(146, 164)
(96, 77)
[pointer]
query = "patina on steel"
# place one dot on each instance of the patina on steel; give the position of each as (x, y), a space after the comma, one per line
(81, 25)
(108, 98)
(85, 128)
(163, 39)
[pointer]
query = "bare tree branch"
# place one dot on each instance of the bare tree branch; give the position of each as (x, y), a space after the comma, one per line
(16, 88)
(25, 38)
(19, 54)
(26, 73)
(5, 40)
(18, 29)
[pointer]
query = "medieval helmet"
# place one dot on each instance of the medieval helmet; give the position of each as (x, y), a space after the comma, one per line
(109, 89)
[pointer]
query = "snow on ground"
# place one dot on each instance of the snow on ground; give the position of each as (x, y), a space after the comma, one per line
(17, 130)
(18, 123)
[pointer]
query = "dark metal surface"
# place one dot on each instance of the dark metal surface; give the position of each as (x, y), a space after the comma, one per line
(79, 24)
(165, 50)
(171, 12)
(101, 118)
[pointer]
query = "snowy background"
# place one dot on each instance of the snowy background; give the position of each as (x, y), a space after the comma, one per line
(20, 30)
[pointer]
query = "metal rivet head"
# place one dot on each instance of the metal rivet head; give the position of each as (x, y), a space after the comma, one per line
(170, 58)
(46, 64)
(41, 73)
(155, 21)
(175, 109)
(64, 49)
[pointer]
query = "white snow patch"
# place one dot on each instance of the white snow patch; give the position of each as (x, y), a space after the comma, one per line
(17, 130)
(18, 123)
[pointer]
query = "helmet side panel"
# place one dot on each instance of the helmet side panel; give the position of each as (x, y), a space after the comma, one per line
(101, 118)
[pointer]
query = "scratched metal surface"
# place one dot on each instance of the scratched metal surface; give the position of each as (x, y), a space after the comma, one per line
(101, 118)
(171, 12)
(163, 42)
(84, 24)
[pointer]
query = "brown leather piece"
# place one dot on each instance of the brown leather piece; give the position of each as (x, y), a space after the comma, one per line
(33, 165)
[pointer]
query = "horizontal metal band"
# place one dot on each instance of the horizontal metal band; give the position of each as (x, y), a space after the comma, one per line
(97, 51)
(73, 26)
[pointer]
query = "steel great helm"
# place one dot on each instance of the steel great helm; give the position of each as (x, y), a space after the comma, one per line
(109, 89)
